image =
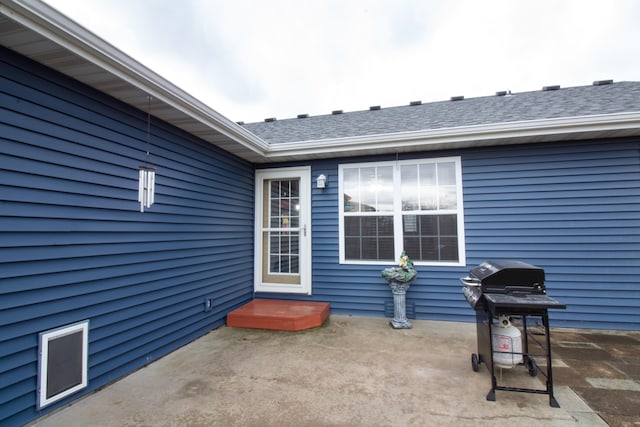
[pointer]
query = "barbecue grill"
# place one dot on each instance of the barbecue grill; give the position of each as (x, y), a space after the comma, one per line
(507, 290)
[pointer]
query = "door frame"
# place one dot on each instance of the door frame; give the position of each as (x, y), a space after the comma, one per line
(304, 174)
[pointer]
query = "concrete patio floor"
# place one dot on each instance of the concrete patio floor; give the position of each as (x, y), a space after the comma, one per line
(352, 371)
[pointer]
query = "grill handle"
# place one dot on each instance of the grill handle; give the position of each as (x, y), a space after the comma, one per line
(470, 281)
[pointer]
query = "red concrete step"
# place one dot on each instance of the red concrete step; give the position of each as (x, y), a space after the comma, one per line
(279, 315)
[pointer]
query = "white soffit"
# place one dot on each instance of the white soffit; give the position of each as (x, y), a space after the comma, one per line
(35, 30)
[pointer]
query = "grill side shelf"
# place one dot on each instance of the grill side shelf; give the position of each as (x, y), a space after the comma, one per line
(518, 303)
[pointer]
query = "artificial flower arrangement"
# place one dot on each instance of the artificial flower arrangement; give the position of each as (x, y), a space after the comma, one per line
(404, 273)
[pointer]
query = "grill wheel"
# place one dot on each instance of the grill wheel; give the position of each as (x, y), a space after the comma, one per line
(531, 366)
(475, 363)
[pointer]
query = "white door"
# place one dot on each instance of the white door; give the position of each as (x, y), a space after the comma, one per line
(283, 230)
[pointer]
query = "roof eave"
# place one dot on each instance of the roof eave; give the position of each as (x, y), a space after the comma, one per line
(521, 132)
(116, 74)
(51, 25)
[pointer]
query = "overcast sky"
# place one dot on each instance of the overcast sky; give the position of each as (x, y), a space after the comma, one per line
(253, 59)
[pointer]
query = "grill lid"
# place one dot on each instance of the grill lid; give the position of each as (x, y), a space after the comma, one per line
(508, 273)
(506, 285)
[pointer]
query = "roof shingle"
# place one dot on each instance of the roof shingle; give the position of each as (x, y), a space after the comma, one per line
(525, 106)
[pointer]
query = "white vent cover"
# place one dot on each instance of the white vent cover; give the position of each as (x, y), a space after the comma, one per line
(63, 362)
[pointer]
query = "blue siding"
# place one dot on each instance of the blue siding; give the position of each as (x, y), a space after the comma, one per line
(572, 208)
(74, 246)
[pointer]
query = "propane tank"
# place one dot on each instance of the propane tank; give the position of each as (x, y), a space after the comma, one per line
(506, 338)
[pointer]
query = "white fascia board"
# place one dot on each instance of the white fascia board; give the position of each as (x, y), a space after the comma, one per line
(48, 22)
(461, 136)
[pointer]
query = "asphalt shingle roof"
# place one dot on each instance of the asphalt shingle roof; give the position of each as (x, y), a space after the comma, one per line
(525, 106)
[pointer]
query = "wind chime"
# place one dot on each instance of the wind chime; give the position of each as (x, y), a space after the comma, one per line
(147, 174)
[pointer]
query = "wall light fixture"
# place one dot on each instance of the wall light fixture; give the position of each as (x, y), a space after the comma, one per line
(321, 181)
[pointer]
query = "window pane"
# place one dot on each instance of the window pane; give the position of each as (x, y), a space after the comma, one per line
(412, 248)
(352, 248)
(368, 189)
(448, 249)
(350, 185)
(384, 189)
(385, 248)
(447, 173)
(352, 226)
(369, 238)
(410, 224)
(427, 174)
(369, 226)
(448, 225)
(385, 226)
(369, 248)
(428, 198)
(429, 247)
(428, 189)
(447, 196)
(410, 188)
(349, 204)
(428, 225)
(435, 239)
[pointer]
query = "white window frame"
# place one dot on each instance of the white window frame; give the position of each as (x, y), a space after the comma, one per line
(397, 211)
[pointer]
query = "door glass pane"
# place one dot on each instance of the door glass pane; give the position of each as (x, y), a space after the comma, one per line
(295, 265)
(275, 189)
(284, 206)
(284, 218)
(295, 188)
